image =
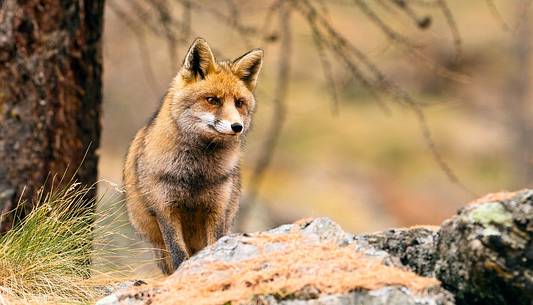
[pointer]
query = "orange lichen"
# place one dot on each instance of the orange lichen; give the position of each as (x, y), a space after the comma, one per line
(499, 196)
(299, 265)
(428, 227)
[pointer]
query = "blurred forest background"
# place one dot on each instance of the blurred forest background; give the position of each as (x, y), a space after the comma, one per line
(353, 154)
(377, 114)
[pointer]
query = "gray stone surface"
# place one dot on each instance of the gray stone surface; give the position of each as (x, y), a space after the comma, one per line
(388, 296)
(483, 255)
(113, 291)
(238, 247)
(415, 247)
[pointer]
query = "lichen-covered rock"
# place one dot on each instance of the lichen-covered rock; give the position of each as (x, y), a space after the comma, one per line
(486, 251)
(483, 255)
(388, 296)
(4, 299)
(309, 262)
(415, 247)
(111, 291)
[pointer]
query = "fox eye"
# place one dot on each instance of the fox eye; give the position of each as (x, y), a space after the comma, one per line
(213, 100)
(239, 103)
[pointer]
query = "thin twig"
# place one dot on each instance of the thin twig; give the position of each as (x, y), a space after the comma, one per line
(387, 85)
(337, 43)
(391, 34)
(279, 112)
(328, 75)
(496, 14)
(186, 20)
(223, 18)
(267, 21)
(422, 23)
(165, 18)
(143, 46)
(236, 17)
(525, 10)
(457, 41)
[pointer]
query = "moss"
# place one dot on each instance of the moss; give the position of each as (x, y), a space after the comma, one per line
(491, 213)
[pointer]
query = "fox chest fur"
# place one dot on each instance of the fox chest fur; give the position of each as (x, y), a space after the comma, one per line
(191, 177)
(181, 174)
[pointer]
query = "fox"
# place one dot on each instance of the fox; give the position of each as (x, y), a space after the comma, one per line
(181, 175)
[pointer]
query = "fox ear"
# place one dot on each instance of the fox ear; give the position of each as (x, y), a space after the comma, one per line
(198, 62)
(247, 67)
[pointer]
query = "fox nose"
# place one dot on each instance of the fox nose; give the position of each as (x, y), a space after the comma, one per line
(236, 127)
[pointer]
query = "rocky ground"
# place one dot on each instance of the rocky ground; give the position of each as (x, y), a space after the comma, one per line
(483, 255)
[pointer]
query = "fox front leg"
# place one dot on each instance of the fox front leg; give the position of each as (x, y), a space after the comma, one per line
(215, 224)
(173, 236)
(232, 208)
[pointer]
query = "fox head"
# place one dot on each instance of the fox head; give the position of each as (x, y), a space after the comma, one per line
(215, 100)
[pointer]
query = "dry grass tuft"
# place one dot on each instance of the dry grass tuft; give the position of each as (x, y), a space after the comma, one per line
(47, 257)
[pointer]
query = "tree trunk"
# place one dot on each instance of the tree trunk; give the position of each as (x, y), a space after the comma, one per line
(50, 97)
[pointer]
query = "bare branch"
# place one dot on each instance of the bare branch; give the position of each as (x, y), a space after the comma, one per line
(234, 23)
(267, 21)
(328, 75)
(419, 58)
(391, 34)
(143, 46)
(163, 9)
(526, 5)
(422, 3)
(457, 42)
(387, 85)
(421, 22)
(496, 14)
(236, 17)
(279, 113)
(337, 44)
(385, 5)
(186, 20)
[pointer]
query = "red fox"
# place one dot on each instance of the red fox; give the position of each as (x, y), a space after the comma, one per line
(181, 175)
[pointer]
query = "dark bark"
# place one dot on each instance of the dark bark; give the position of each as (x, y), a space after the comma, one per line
(50, 96)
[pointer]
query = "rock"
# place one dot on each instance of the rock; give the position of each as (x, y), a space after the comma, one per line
(388, 296)
(483, 255)
(309, 262)
(486, 251)
(111, 291)
(415, 247)
(107, 290)
(7, 296)
(5, 299)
